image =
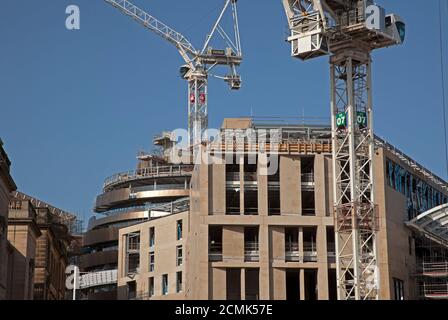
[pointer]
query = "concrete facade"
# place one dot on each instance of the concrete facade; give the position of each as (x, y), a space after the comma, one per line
(253, 236)
(163, 239)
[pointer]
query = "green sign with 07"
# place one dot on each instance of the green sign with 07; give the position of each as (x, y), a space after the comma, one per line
(341, 120)
(361, 119)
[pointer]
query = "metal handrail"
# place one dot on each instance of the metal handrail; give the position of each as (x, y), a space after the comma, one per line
(166, 171)
(308, 178)
(250, 246)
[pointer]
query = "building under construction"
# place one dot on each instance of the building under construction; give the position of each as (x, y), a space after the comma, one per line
(230, 229)
(278, 210)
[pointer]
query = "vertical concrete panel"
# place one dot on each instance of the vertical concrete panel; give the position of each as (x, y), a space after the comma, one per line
(241, 159)
(290, 185)
(278, 243)
(262, 187)
(382, 249)
(279, 284)
(218, 189)
(197, 267)
(264, 262)
(322, 259)
(302, 284)
(329, 186)
(233, 243)
(219, 283)
(243, 283)
(320, 191)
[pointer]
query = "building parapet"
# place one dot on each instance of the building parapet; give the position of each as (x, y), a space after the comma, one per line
(152, 172)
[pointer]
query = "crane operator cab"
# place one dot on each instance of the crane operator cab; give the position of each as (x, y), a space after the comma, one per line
(396, 28)
(322, 29)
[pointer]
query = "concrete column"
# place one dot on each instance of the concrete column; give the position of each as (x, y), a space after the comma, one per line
(290, 187)
(243, 284)
(197, 267)
(218, 189)
(329, 185)
(219, 284)
(279, 284)
(233, 243)
(277, 243)
(302, 284)
(242, 185)
(301, 243)
(264, 283)
(322, 261)
(320, 192)
(262, 187)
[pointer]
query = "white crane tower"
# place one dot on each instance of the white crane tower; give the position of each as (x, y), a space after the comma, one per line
(348, 31)
(198, 63)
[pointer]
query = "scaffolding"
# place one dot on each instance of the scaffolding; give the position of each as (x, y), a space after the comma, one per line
(431, 235)
(433, 279)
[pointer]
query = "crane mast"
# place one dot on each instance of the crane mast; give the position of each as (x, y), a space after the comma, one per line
(198, 63)
(348, 31)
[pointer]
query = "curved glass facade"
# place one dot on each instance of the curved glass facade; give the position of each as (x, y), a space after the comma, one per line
(420, 196)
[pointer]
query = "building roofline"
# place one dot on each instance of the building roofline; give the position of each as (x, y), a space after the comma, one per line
(59, 213)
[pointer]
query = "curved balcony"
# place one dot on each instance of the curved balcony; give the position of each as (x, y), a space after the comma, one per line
(99, 258)
(100, 236)
(127, 216)
(145, 173)
(113, 198)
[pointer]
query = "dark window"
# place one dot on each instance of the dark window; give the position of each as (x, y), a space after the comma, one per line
(292, 284)
(151, 262)
(152, 237)
(233, 281)
(215, 243)
(398, 289)
(132, 290)
(179, 230)
(151, 287)
(179, 256)
(179, 282)
(165, 284)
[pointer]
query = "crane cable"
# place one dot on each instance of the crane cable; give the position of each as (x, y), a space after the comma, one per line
(442, 68)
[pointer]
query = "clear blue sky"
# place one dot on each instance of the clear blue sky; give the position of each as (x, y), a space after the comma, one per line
(77, 106)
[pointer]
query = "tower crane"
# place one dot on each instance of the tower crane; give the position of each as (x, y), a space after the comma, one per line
(348, 31)
(198, 63)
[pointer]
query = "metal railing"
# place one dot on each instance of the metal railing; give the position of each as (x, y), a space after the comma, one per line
(307, 178)
(251, 251)
(215, 252)
(166, 171)
(309, 252)
(232, 176)
(292, 253)
(308, 211)
(435, 269)
(436, 290)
